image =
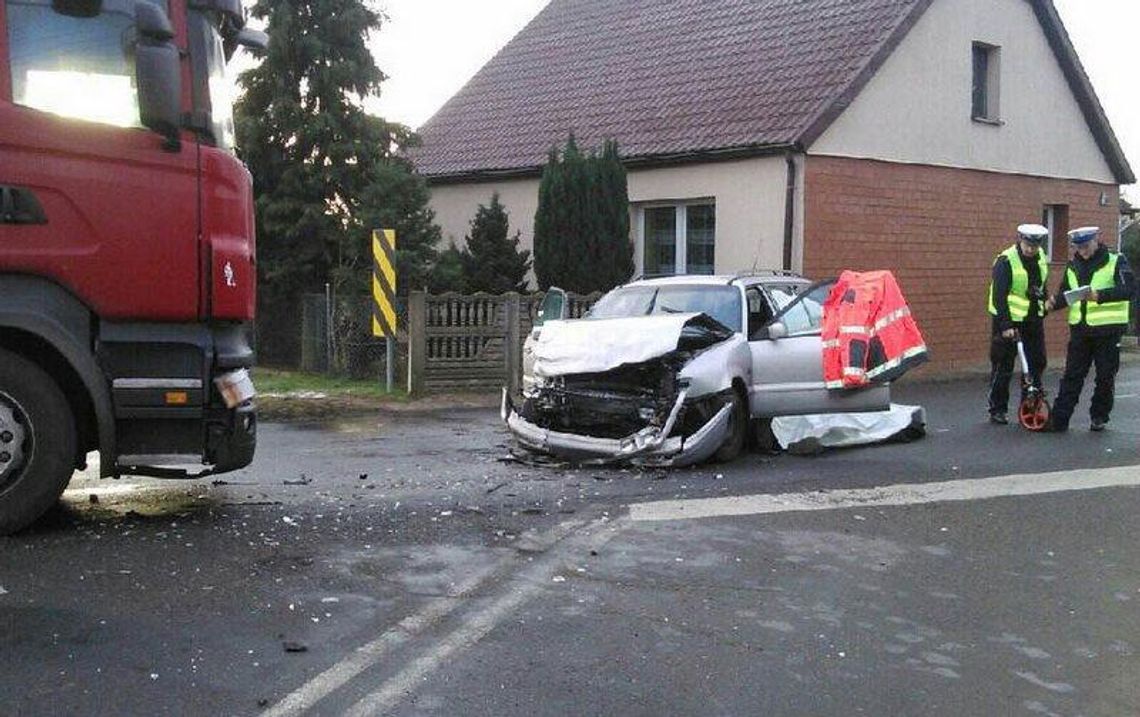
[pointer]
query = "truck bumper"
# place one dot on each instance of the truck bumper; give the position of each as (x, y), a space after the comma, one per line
(232, 441)
(181, 397)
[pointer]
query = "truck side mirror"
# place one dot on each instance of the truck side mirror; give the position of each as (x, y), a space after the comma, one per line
(553, 306)
(157, 73)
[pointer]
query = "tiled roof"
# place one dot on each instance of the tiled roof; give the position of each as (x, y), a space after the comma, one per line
(663, 77)
(670, 79)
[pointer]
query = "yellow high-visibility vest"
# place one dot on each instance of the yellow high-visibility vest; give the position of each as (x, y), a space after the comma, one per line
(1019, 288)
(1109, 313)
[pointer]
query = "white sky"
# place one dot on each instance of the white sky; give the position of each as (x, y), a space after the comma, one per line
(430, 48)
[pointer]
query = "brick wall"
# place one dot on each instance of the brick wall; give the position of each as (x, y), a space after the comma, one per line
(938, 230)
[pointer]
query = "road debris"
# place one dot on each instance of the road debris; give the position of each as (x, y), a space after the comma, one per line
(291, 646)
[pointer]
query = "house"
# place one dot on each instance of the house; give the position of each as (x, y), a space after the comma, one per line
(815, 135)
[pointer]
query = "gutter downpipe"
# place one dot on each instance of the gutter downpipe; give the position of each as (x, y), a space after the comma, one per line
(790, 211)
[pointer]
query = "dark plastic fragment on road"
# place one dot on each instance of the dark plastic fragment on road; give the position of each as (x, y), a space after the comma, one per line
(291, 646)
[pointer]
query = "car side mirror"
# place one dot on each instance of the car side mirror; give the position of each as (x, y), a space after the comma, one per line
(158, 73)
(553, 306)
(774, 331)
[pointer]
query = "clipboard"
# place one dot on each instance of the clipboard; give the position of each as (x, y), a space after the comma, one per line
(1081, 293)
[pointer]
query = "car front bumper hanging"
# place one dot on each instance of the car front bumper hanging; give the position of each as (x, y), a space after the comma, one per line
(651, 445)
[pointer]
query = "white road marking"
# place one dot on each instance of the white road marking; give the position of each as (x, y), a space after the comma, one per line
(316, 689)
(907, 494)
(536, 578)
(302, 700)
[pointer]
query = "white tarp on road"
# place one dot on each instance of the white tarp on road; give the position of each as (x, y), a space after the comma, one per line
(837, 430)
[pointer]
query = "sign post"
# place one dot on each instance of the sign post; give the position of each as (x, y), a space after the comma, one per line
(384, 319)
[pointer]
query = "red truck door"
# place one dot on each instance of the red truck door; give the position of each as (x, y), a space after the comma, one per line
(119, 220)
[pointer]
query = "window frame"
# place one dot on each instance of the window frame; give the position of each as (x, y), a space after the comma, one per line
(681, 231)
(989, 81)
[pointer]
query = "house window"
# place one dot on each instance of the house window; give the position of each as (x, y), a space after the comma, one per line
(661, 240)
(677, 238)
(1055, 217)
(986, 105)
(700, 239)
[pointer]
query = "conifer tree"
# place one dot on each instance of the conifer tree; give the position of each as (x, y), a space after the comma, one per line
(447, 274)
(325, 172)
(581, 227)
(491, 261)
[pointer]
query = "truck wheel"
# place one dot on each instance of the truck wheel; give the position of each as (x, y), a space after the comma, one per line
(37, 443)
(737, 431)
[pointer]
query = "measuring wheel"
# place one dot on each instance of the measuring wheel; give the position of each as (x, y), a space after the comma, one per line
(1033, 414)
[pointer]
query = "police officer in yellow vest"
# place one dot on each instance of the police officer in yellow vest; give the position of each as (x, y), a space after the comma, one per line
(1017, 305)
(1098, 317)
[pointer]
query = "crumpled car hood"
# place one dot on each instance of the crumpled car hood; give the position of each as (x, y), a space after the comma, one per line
(587, 346)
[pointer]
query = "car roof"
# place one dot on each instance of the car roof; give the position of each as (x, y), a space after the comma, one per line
(747, 278)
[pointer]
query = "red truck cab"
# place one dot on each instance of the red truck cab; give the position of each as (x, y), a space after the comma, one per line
(127, 264)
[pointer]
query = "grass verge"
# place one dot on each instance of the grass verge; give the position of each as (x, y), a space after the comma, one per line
(293, 396)
(296, 396)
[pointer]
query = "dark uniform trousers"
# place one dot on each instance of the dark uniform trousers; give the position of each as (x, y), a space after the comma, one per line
(1085, 350)
(1003, 355)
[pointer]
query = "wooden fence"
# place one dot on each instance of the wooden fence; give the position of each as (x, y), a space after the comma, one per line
(459, 342)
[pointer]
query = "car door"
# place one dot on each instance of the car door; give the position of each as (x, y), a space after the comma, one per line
(787, 363)
(555, 307)
(118, 218)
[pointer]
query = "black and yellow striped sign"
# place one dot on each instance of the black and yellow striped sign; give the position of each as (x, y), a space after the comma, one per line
(384, 283)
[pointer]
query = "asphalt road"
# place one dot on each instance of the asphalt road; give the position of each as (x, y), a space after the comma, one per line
(398, 565)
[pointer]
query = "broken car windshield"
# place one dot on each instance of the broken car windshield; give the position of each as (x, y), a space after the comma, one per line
(720, 302)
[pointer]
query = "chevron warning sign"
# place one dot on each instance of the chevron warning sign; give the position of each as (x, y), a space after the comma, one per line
(384, 283)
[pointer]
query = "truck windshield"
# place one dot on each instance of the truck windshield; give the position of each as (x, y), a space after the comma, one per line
(79, 64)
(213, 88)
(720, 302)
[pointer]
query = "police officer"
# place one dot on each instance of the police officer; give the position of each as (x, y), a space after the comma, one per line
(1097, 322)
(1017, 305)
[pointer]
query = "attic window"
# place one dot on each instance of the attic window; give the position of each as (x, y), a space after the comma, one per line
(986, 104)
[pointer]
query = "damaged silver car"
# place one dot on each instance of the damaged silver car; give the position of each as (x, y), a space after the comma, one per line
(676, 371)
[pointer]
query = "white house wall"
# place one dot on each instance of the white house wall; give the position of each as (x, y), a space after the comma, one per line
(917, 107)
(750, 198)
(455, 206)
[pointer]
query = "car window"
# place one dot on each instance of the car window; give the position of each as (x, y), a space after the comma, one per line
(782, 295)
(759, 310)
(804, 315)
(720, 302)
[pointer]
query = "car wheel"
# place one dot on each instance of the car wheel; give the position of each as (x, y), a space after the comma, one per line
(737, 431)
(37, 443)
